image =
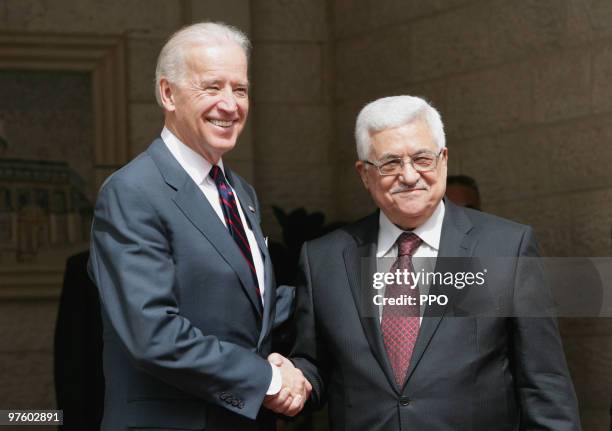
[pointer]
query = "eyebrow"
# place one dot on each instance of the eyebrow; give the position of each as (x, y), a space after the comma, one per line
(213, 81)
(386, 156)
(423, 151)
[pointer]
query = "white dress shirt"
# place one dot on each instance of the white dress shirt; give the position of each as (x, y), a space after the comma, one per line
(198, 168)
(429, 232)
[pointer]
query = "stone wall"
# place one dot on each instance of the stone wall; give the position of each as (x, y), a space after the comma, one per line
(292, 107)
(26, 354)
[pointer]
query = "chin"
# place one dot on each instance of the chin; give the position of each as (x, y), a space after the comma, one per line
(223, 145)
(413, 210)
(411, 202)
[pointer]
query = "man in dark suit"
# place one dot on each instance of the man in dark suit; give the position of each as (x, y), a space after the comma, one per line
(185, 279)
(79, 381)
(416, 366)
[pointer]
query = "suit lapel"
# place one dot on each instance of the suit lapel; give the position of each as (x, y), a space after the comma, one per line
(360, 262)
(247, 205)
(197, 209)
(454, 242)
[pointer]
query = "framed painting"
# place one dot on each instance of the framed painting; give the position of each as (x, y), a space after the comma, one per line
(63, 130)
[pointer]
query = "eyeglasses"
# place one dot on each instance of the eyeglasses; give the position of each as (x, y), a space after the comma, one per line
(421, 162)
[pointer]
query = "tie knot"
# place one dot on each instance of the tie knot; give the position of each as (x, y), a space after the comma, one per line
(407, 243)
(217, 175)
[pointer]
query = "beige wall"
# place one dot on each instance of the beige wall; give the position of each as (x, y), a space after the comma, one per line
(292, 107)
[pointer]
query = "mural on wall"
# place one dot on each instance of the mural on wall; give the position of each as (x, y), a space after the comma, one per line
(46, 166)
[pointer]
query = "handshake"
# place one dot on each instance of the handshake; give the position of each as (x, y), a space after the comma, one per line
(295, 389)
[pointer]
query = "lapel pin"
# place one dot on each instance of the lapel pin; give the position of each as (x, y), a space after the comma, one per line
(251, 209)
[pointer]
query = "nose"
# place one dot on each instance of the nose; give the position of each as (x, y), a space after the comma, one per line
(409, 175)
(228, 101)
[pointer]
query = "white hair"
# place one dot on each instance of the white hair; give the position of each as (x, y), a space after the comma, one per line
(171, 60)
(395, 111)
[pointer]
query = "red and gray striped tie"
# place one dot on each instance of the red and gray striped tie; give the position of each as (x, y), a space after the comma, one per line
(233, 221)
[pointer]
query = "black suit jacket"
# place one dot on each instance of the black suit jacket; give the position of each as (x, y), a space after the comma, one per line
(79, 382)
(185, 341)
(466, 373)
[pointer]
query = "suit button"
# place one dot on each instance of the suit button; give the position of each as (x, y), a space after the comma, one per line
(404, 401)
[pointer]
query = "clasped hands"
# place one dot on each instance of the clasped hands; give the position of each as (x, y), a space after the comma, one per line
(295, 389)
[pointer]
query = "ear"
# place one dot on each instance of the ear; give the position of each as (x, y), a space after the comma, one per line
(362, 170)
(444, 155)
(166, 91)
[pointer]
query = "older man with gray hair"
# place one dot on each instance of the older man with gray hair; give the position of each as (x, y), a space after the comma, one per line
(185, 279)
(387, 361)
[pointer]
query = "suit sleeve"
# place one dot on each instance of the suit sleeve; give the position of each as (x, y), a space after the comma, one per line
(545, 390)
(309, 353)
(132, 265)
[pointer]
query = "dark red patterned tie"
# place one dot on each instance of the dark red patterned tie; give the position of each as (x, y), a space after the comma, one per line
(400, 323)
(233, 221)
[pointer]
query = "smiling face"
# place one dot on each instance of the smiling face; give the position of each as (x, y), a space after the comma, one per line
(410, 198)
(208, 108)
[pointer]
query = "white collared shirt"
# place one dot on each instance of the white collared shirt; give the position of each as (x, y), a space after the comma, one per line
(197, 167)
(429, 232)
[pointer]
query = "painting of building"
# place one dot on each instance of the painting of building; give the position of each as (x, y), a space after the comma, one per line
(46, 167)
(43, 208)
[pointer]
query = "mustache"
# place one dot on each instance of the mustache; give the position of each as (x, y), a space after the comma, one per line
(404, 188)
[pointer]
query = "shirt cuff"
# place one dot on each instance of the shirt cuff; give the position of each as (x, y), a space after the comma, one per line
(276, 382)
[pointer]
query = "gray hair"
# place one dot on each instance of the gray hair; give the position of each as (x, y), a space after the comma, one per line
(395, 111)
(171, 60)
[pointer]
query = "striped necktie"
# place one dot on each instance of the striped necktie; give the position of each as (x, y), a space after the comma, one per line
(233, 221)
(400, 324)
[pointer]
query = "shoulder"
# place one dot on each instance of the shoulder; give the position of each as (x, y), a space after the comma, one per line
(494, 235)
(354, 234)
(140, 175)
(140, 171)
(138, 186)
(486, 222)
(133, 199)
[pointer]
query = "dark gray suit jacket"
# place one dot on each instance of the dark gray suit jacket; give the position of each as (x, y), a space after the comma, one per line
(466, 373)
(184, 339)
